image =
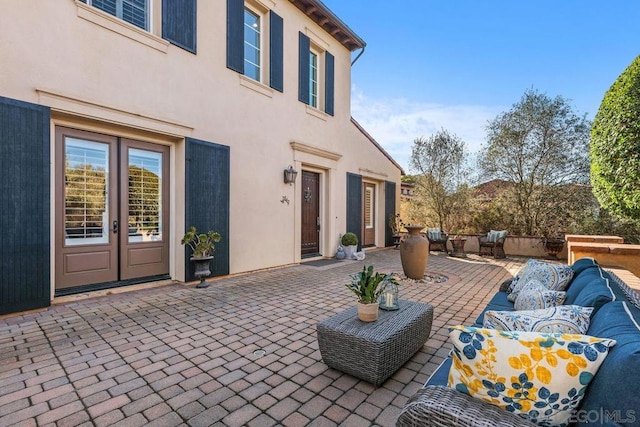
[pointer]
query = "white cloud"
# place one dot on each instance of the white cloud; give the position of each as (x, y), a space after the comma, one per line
(395, 123)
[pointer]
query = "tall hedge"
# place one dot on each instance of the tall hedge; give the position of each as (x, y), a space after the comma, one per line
(615, 146)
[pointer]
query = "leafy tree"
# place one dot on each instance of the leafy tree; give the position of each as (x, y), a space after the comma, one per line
(439, 160)
(615, 146)
(540, 145)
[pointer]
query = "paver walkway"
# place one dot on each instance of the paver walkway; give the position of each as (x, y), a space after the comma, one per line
(178, 355)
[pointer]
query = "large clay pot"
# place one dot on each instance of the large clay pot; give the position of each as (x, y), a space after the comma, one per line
(414, 252)
(368, 312)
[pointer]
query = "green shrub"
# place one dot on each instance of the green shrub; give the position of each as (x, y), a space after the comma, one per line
(349, 239)
(615, 146)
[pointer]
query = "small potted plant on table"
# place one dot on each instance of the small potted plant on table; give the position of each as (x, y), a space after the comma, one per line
(202, 246)
(368, 286)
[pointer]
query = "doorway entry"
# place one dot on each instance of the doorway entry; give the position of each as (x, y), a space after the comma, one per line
(112, 209)
(368, 214)
(310, 197)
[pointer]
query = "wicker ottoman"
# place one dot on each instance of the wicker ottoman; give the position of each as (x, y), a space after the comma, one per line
(374, 351)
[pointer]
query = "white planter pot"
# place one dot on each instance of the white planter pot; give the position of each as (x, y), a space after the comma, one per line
(349, 251)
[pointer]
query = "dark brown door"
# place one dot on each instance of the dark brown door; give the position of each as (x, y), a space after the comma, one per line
(310, 214)
(112, 200)
(368, 214)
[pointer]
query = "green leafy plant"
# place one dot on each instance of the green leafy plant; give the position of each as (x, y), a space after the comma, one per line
(349, 239)
(367, 284)
(395, 223)
(203, 245)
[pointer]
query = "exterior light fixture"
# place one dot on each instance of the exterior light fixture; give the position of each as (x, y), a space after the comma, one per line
(290, 175)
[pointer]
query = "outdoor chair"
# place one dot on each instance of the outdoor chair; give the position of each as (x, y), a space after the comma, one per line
(492, 244)
(437, 239)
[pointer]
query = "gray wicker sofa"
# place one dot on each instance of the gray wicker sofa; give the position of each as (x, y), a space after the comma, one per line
(611, 399)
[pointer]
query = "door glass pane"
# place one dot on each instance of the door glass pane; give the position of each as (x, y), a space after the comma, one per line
(86, 193)
(368, 207)
(145, 196)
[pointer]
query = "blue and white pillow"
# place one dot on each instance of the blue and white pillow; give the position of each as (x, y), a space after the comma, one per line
(534, 296)
(493, 235)
(519, 275)
(555, 277)
(566, 319)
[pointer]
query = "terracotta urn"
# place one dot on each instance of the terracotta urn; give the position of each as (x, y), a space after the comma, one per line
(414, 252)
(368, 312)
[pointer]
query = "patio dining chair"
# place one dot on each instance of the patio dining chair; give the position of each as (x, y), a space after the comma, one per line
(492, 244)
(437, 239)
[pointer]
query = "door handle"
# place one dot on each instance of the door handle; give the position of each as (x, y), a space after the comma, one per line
(115, 227)
(318, 224)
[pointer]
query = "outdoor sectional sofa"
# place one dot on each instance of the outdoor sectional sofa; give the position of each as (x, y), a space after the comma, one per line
(612, 398)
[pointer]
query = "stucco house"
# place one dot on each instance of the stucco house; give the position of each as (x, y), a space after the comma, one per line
(124, 122)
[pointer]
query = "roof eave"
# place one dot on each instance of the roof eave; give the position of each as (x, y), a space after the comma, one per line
(378, 146)
(325, 18)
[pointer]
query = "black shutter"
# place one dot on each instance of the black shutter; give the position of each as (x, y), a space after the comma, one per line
(329, 83)
(354, 205)
(303, 69)
(25, 281)
(276, 54)
(235, 35)
(179, 23)
(207, 173)
(389, 209)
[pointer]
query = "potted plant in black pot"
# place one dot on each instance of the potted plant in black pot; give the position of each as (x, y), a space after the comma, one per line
(202, 246)
(368, 286)
(396, 224)
(350, 244)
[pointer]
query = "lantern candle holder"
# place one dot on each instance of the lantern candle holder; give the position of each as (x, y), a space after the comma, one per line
(388, 299)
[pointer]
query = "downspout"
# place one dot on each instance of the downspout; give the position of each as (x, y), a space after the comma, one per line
(359, 55)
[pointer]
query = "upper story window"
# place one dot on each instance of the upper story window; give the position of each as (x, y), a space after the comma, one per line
(252, 44)
(316, 75)
(313, 79)
(255, 42)
(135, 12)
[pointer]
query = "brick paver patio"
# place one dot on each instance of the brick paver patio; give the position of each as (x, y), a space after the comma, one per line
(178, 355)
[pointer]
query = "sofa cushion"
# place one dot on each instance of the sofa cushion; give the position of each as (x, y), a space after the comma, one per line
(518, 275)
(441, 374)
(591, 289)
(555, 277)
(499, 302)
(615, 390)
(583, 264)
(541, 377)
(567, 319)
(534, 295)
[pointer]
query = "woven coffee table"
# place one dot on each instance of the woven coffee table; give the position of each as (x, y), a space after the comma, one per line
(374, 351)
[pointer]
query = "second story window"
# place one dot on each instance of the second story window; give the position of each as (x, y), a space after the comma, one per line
(255, 43)
(313, 79)
(252, 44)
(135, 12)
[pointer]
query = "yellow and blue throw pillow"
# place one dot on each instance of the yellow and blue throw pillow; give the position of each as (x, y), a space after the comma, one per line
(541, 377)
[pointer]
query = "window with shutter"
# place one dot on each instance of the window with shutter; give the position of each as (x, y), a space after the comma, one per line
(315, 75)
(252, 31)
(135, 12)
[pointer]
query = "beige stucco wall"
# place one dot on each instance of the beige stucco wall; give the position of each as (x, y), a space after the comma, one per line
(100, 74)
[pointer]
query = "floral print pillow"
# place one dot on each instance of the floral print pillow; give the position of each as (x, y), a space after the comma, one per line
(540, 377)
(535, 296)
(555, 277)
(566, 319)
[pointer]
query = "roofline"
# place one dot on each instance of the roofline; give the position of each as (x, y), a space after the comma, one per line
(329, 21)
(378, 146)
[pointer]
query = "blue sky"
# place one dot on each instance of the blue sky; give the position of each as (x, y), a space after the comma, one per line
(458, 63)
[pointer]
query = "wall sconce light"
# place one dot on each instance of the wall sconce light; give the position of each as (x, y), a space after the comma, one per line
(290, 175)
